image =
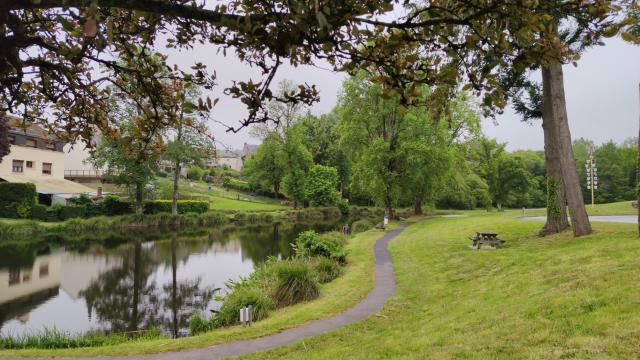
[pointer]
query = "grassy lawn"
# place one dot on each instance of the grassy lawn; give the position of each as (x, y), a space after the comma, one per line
(617, 208)
(537, 298)
(335, 297)
(222, 199)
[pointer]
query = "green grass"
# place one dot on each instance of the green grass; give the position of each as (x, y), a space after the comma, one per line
(222, 199)
(335, 297)
(537, 298)
(617, 208)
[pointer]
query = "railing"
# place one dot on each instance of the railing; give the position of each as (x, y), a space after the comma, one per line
(85, 173)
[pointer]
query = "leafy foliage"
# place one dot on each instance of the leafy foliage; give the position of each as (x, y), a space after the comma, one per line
(331, 245)
(321, 186)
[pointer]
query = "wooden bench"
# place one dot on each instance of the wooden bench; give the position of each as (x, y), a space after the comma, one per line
(486, 239)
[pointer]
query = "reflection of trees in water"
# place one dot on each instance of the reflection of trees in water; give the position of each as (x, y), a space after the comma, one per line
(126, 299)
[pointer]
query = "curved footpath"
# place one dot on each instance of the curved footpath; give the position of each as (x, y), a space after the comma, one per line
(384, 288)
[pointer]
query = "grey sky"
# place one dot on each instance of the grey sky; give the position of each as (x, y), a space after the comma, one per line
(602, 96)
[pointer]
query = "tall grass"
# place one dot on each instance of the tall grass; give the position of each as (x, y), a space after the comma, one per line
(58, 339)
(295, 283)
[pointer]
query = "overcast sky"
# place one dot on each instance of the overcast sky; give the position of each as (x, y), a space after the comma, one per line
(602, 96)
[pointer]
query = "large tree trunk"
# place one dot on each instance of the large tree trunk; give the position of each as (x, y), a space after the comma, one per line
(573, 193)
(388, 208)
(557, 220)
(175, 195)
(417, 208)
(139, 198)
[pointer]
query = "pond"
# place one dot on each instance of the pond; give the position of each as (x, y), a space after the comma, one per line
(134, 281)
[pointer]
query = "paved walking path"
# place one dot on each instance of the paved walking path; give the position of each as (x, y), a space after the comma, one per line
(631, 219)
(384, 288)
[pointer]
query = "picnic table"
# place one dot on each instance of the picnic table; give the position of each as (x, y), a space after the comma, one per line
(485, 238)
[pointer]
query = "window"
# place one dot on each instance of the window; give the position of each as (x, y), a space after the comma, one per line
(44, 270)
(30, 143)
(29, 164)
(14, 276)
(46, 168)
(17, 166)
(51, 146)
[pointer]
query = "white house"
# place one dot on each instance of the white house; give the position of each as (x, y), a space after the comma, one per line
(38, 158)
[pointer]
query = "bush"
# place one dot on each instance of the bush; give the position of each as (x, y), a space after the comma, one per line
(17, 199)
(39, 212)
(243, 294)
(236, 184)
(59, 212)
(331, 245)
(71, 212)
(195, 173)
(198, 324)
(361, 226)
(295, 282)
(113, 205)
(343, 206)
(326, 269)
(184, 206)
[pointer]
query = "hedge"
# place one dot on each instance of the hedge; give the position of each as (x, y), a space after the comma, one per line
(184, 206)
(17, 199)
(113, 205)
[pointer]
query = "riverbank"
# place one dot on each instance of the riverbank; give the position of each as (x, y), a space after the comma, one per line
(553, 297)
(24, 230)
(335, 297)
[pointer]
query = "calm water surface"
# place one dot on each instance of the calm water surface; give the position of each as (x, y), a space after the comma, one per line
(134, 281)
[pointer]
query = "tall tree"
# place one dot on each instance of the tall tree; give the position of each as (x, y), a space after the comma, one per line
(371, 127)
(192, 142)
(298, 161)
(268, 168)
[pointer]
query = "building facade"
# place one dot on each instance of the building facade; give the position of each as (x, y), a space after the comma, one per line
(38, 158)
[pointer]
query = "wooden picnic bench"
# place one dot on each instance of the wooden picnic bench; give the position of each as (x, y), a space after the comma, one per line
(487, 239)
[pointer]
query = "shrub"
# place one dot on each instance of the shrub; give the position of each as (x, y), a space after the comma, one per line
(325, 269)
(198, 324)
(39, 212)
(236, 184)
(71, 212)
(23, 209)
(17, 199)
(113, 205)
(243, 294)
(343, 206)
(295, 282)
(361, 226)
(195, 173)
(184, 206)
(331, 245)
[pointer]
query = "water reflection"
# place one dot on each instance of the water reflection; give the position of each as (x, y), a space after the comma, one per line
(131, 282)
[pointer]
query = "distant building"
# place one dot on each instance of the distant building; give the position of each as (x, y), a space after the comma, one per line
(37, 157)
(229, 158)
(249, 151)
